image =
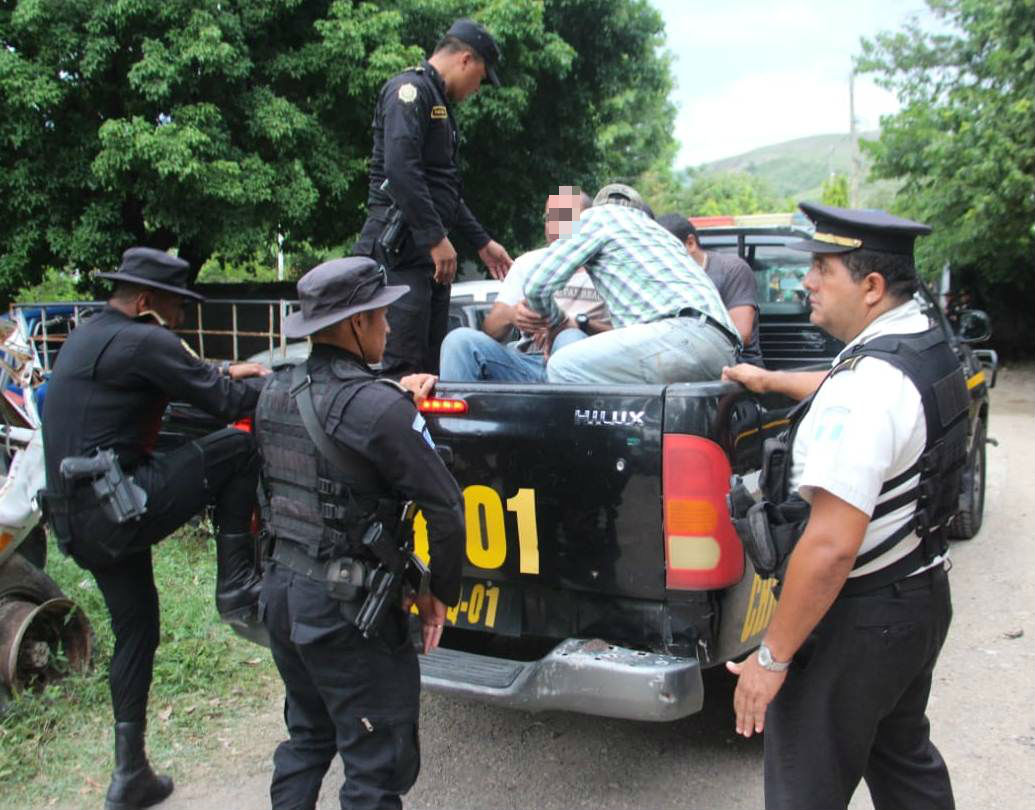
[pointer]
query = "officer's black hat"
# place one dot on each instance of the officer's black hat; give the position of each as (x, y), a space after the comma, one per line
(154, 268)
(339, 289)
(475, 35)
(839, 230)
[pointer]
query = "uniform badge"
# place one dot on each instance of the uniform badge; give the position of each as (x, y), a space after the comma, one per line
(438, 111)
(407, 93)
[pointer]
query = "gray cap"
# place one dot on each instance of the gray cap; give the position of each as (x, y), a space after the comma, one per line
(621, 194)
(339, 289)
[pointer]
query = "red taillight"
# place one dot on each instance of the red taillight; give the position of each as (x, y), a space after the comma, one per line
(244, 424)
(702, 549)
(451, 406)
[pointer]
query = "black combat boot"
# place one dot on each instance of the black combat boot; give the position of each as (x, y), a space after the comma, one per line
(134, 784)
(237, 581)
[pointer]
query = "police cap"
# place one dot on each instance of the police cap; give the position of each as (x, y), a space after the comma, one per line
(339, 289)
(148, 267)
(475, 35)
(839, 230)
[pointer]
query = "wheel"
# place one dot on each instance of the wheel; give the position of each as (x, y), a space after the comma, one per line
(20, 579)
(972, 499)
(43, 635)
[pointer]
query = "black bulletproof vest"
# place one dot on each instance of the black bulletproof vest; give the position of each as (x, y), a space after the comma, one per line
(929, 362)
(311, 502)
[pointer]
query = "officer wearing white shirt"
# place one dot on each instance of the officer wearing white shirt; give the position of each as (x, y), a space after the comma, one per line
(841, 681)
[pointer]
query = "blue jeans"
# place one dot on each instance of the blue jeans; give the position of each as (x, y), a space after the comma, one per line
(667, 351)
(469, 355)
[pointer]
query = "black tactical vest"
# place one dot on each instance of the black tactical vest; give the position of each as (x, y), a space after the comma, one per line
(311, 502)
(772, 527)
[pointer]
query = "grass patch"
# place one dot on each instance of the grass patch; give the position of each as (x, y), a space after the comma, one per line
(56, 746)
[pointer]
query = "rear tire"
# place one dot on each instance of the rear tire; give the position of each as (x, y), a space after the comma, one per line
(19, 578)
(972, 500)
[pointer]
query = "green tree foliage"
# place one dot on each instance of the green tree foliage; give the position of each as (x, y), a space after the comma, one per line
(713, 194)
(963, 142)
(210, 126)
(834, 191)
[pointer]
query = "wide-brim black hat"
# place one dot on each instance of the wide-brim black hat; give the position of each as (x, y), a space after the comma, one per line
(148, 267)
(339, 289)
(840, 230)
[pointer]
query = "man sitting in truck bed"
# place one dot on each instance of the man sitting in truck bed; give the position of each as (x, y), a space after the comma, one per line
(671, 325)
(732, 276)
(472, 355)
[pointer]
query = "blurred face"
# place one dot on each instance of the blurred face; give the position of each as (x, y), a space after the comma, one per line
(839, 303)
(372, 330)
(467, 77)
(562, 210)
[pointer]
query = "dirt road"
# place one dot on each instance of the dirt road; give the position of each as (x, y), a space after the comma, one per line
(982, 708)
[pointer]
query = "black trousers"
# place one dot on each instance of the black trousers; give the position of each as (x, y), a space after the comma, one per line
(221, 468)
(418, 321)
(343, 694)
(853, 705)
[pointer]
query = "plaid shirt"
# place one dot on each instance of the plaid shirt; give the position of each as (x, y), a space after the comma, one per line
(638, 267)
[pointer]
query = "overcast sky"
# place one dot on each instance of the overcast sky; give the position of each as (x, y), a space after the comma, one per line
(750, 73)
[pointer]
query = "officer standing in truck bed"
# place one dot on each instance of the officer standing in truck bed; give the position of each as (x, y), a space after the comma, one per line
(416, 192)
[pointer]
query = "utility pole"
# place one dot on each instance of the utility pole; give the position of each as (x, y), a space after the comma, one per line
(853, 193)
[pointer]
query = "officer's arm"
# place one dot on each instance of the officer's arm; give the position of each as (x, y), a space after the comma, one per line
(405, 128)
(817, 570)
(162, 360)
(471, 228)
(401, 449)
(795, 384)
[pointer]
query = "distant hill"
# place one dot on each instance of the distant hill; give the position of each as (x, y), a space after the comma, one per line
(798, 168)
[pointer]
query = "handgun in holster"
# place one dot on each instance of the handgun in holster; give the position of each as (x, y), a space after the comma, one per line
(394, 233)
(118, 495)
(397, 567)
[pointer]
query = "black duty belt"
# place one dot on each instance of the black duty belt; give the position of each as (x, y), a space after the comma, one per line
(690, 312)
(340, 572)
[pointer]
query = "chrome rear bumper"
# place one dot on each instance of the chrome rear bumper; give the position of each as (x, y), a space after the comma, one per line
(579, 675)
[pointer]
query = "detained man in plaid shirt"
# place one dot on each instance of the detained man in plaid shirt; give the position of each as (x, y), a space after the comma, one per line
(670, 323)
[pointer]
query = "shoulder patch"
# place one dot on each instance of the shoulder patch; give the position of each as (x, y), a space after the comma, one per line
(408, 93)
(439, 111)
(420, 426)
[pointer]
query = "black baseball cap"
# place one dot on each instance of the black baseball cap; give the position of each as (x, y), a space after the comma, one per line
(840, 230)
(148, 267)
(475, 35)
(339, 289)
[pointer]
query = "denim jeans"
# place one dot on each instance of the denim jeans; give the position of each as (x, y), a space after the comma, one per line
(666, 351)
(469, 355)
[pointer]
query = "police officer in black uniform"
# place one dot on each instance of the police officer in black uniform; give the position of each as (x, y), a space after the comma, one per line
(416, 192)
(855, 526)
(110, 385)
(342, 452)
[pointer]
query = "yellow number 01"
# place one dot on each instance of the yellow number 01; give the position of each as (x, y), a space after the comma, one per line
(487, 548)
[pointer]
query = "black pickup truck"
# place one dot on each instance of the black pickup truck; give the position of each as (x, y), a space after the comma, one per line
(602, 573)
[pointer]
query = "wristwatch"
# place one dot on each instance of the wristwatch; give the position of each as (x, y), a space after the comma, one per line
(582, 322)
(766, 661)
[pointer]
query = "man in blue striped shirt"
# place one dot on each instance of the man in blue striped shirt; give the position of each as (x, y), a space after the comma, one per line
(670, 323)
